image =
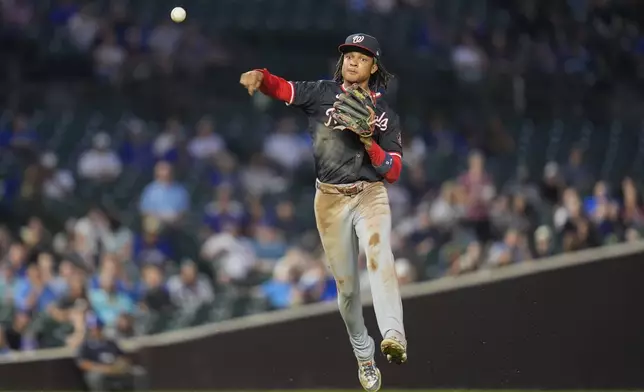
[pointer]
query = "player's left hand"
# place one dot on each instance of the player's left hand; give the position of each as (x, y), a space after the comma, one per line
(355, 111)
(366, 141)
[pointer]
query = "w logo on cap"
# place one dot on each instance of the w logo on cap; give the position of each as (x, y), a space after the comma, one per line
(358, 38)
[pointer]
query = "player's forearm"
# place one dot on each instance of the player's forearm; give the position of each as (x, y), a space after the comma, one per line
(276, 87)
(387, 164)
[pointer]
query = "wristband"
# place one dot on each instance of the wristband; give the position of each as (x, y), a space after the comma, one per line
(386, 165)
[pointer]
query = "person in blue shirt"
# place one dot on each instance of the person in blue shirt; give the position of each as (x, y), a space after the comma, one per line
(268, 243)
(32, 294)
(109, 303)
(164, 198)
(18, 259)
(151, 246)
(223, 211)
(282, 291)
(136, 149)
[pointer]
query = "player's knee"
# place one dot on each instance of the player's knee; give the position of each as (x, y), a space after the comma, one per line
(345, 287)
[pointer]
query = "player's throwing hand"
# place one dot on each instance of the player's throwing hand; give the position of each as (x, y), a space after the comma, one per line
(251, 80)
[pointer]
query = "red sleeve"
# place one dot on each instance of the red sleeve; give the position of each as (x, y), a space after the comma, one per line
(377, 156)
(276, 87)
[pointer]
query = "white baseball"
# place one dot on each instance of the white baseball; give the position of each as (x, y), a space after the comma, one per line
(178, 14)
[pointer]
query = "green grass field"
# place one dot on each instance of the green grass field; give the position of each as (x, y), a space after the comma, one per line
(424, 390)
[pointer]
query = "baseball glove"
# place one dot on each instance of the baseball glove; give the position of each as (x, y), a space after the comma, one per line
(355, 110)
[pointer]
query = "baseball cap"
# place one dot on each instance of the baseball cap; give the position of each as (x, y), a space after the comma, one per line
(361, 41)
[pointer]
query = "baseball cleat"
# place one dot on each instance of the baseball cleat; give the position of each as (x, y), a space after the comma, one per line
(394, 350)
(369, 375)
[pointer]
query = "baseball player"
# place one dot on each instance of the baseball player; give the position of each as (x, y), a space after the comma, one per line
(357, 146)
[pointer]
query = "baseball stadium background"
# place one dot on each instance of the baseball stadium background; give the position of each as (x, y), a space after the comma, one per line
(130, 157)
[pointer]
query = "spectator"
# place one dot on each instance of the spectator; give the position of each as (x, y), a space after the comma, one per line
(58, 183)
(282, 290)
(151, 246)
(469, 60)
(136, 149)
(575, 173)
(600, 196)
(156, 297)
(100, 163)
(108, 302)
(45, 263)
(74, 300)
(89, 233)
(206, 143)
(580, 234)
(285, 146)
(316, 283)
(83, 28)
(168, 145)
(32, 293)
(104, 365)
(544, 244)
(231, 256)
(190, 291)
(446, 211)
(405, 271)
(224, 211)
(16, 259)
(35, 237)
(110, 267)
(520, 217)
(521, 185)
(164, 198)
(66, 270)
(569, 211)
(286, 220)
(469, 261)
(21, 138)
(632, 214)
(268, 244)
(509, 251)
(258, 177)
(109, 57)
(224, 171)
(164, 38)
(479, 191)
(8, 284)
(552, 183)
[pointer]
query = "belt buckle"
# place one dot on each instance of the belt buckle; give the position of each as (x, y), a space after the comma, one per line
(351, 190)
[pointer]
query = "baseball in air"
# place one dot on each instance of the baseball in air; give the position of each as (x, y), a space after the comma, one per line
(178, 14)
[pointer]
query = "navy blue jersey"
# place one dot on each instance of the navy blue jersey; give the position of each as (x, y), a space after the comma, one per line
(340, 157)
(103, 351)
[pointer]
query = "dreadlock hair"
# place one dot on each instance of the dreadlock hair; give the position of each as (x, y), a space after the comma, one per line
(377, 81)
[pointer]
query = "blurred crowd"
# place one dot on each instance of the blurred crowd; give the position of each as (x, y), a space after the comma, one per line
(256, 245)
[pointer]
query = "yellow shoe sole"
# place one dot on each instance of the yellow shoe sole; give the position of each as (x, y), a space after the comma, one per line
(394, 351)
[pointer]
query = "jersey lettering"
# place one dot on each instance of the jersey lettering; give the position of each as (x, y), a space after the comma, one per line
(380, 121)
